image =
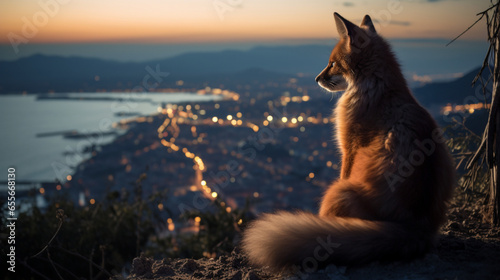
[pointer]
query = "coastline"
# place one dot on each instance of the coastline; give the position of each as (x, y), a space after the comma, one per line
(64, 146)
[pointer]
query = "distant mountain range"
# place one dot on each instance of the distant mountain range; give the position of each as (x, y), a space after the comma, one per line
(41, 73)
(459, 91)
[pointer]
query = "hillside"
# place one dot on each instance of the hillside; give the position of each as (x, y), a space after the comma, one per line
(459, 91)
(41, 73)
(467, 249)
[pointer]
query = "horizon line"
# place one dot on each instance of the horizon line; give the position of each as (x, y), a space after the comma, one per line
(245, 41)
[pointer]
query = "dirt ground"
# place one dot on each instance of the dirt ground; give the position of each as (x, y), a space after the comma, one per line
(467, 249)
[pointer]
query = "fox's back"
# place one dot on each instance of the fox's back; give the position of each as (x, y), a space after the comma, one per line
(396, 177)
(390, 145)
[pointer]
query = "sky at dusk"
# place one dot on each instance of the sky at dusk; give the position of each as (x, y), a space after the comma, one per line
(182, 21)
(191, 22)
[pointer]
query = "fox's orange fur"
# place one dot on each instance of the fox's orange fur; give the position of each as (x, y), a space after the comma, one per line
(396, 177)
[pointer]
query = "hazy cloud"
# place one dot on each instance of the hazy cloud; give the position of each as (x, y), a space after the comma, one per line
(400, 23)
(395, 22)
(425, 79)
(348, 4)
(435, 1)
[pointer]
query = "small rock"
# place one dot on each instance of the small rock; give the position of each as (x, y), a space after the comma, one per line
(162, 268)
(141, 265)
(164, 271)
(190, 266)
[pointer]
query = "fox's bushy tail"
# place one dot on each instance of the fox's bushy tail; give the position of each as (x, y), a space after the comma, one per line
(303, 240)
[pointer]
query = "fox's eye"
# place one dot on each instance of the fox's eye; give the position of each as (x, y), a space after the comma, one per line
(333, 64)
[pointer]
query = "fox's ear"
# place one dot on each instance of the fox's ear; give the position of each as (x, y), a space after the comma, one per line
(368, 23)
(344, 27)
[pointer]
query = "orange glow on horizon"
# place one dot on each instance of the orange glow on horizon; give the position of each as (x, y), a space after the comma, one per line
(169, 21)
(134, 34)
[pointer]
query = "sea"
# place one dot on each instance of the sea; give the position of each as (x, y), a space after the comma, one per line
(34, 127)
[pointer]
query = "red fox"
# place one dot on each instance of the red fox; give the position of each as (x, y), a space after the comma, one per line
(396, 179)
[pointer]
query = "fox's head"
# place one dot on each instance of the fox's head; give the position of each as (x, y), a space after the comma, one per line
(347, 54)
